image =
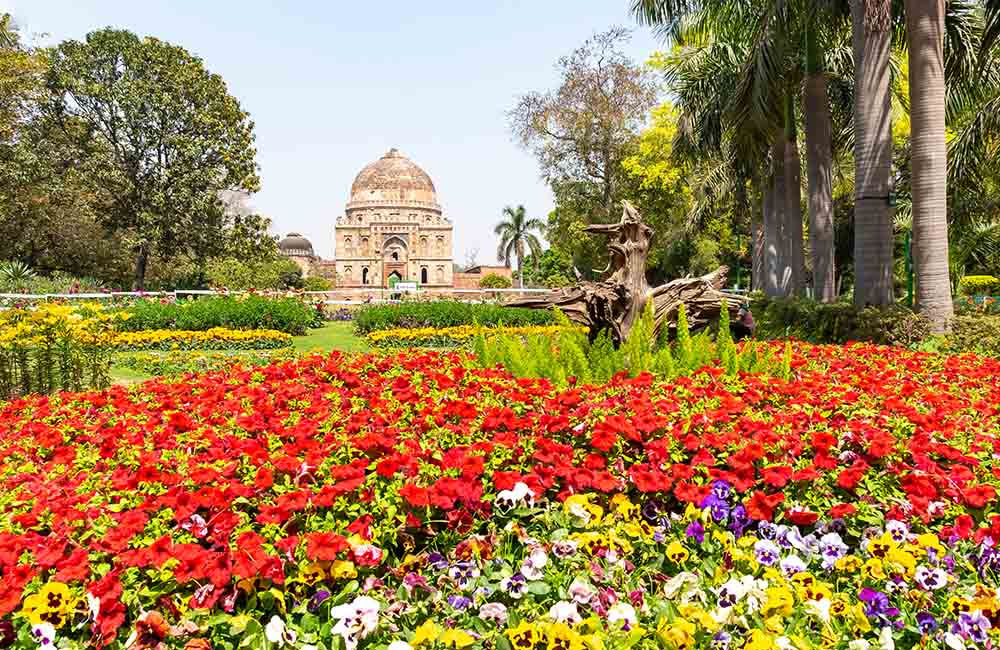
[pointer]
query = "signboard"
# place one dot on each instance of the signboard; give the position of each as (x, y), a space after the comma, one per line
(405, 286)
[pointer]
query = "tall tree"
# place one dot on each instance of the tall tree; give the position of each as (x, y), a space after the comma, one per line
(928, 160)
(819, 159)
(516, 237)
(873, 242)
(169, 135)
(581, 132)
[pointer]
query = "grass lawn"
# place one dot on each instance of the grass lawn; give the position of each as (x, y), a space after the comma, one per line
(332, 336)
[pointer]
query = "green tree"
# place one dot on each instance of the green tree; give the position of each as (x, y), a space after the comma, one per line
(581, 132)
(516, 237)
(165, 135)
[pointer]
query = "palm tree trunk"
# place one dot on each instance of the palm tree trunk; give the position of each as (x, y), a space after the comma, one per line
(873, 242)
(757, 234)
(819, 163)
(928, 156)
(777, 271)
(793, 201)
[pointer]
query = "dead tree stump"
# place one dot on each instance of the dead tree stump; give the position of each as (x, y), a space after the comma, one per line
(617, 302)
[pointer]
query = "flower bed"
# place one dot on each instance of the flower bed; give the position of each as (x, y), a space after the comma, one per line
(445, 313)
(180, 362)
(217, 338)
(451, 336)
(409, 501)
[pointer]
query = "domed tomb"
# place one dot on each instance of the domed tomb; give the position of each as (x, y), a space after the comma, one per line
(393, 229)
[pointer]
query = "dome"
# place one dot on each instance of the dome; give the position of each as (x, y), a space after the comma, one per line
(393, 178)
(295, 244)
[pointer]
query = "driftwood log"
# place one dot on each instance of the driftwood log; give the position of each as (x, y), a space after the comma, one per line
(617, 302)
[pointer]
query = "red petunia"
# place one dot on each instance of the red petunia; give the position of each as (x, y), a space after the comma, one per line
(980, 496)
(761, 506)
(325, 546)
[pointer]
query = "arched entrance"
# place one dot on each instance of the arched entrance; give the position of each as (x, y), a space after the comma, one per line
(423, 275)
(395, 259)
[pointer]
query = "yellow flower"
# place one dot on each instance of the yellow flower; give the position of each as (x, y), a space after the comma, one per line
(343, 569)
(930, 543)
(859, 618)
(523, 637)
(562, 637)
(699, 616)
(958, 605)
(873, 569)
(848, 563)
(313, 573)
(780, 602)
(454, 638)
(678, 633)
(580, 507)
(901, 562)
(676, 552)
(428, 632)
(880, 546)
(760, 640)
(623, 507)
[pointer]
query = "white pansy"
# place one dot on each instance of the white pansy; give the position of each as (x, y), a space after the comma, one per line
(859, 644)
(820, 609)
(622, 613)
(278, 633)
(885, 640)
(565, 612)
(954, 641)
(400, 645)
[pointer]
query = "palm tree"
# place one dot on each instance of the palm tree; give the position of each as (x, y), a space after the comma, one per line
(928, 155)
(515, 235)
(873, 241)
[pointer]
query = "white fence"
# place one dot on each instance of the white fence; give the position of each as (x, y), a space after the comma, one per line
(332, 297)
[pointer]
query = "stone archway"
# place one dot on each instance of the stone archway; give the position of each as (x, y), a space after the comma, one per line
(392, 279)
(395, 258)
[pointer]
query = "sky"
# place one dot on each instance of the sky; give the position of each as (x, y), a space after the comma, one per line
(332, 85)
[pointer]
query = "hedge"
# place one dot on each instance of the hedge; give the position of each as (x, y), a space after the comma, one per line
(444, 313)
(245, 312)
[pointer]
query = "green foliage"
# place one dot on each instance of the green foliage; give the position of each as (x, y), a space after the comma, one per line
(684, 346)
(180, 362)
(177, 140)
(572, 358)
(553, 268)
(288, 315)
(316, 283)
(238, 275)
(979, 285)
(494, 281)
(979, 334)
(444, 313)
(815, 322)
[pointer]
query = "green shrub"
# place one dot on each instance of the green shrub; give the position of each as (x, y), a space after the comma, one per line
(979, 334)
(815, 322)
(316, 283)
(289, 315)
(494, 281)
(979, 285)
(571, 357)
(237, 275)
(444, 313)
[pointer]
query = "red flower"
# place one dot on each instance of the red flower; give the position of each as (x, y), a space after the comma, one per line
(325, 546)
(761, 506)
(980, 496)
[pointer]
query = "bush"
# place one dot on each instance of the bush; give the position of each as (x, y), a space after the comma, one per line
(237, 275)
(567, 356)
(316, 283)
(289, 315)
(182, 362)
(839, 322)
(444, 313)
(979, 334)
(979, 285)
(494, 281)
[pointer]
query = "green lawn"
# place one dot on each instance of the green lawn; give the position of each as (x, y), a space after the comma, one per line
(332, 336)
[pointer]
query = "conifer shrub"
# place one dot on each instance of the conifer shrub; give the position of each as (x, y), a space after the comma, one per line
(571, 357)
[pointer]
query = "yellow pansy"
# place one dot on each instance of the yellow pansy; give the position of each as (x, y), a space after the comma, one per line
(428, 632)
(678, 633)
(562, 637)
(455, 638)
(760, 640)
(873, 570)
(624, 507)
(901, 562)
(341, 569)
(581, 508)
(880, 546)
(313, 573)
(780, 602)
(523, 637)
(848, 564)
(676, 552)
(930, 543)
(859, 618)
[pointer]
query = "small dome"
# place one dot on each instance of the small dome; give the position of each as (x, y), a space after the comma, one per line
(393, 177)
(295, 244)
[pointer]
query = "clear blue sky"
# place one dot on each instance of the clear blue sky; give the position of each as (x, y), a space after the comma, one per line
(332, 85)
